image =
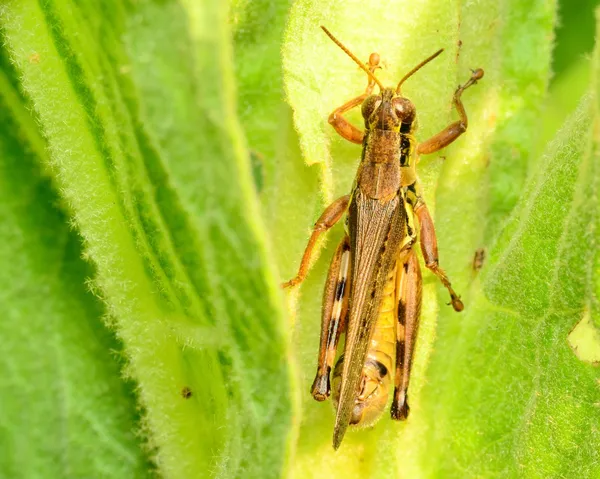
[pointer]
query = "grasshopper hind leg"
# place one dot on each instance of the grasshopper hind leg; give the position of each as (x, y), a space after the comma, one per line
(409, 292)
(333, 317)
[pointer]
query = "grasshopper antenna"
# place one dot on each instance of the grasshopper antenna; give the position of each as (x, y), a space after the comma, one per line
(356, 60)
(415, 69)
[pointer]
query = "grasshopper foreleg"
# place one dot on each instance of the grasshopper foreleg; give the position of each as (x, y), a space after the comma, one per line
(408, 293)
(430, 252)
(453, 131)
(330, 217)
(336, 118)
(333, 317)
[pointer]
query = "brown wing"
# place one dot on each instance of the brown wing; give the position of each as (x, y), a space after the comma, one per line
(376, 229)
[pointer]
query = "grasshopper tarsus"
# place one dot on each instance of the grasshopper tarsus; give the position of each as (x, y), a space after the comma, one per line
(373, 64)
(476, 75)
(374, 60)
(321, 387)
(400, 409)
(455, 300)
(291, 283)
(457, 303)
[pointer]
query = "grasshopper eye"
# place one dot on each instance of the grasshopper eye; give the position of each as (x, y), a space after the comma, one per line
(404, 109)
(370, 105)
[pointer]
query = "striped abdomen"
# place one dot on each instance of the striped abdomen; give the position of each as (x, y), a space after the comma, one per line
(376, 380)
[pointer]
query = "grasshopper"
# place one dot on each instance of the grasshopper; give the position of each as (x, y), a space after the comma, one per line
(373, 287)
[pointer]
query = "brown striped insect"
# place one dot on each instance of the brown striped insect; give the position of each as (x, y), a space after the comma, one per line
(373, 288)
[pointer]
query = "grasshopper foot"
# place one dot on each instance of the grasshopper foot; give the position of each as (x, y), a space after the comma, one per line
(400, 407)
(476, 74)
(456, 302)
(321, 387)
(291, 283)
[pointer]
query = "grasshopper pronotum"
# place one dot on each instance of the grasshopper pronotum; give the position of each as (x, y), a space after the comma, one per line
(373, 288)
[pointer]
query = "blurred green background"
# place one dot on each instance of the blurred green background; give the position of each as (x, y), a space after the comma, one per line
(570, 62)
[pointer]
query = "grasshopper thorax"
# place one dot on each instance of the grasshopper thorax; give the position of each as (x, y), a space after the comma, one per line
(388, 111)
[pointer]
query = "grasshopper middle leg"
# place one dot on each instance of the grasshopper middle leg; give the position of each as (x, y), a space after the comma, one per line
(430, 252)
(453, 131)
(330, 217)
(408, 292)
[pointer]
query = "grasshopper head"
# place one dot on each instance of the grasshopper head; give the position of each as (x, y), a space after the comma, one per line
(387, 111)
(373, 395)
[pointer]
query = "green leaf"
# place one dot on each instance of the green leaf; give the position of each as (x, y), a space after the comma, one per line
(575, 33)
(136, 104)
(64, 410)
(516, 400)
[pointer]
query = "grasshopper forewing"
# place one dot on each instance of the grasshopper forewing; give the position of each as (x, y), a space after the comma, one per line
(373, 289)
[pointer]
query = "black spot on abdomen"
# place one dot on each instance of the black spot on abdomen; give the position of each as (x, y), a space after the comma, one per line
(381, 369)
